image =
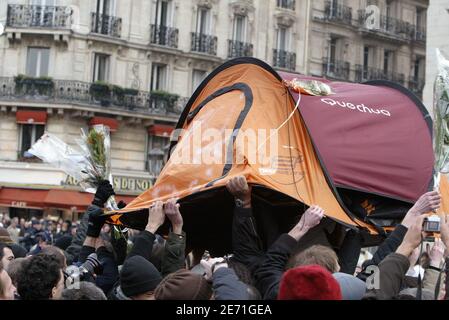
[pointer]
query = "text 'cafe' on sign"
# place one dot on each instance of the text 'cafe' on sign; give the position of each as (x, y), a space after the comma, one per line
(121, 184)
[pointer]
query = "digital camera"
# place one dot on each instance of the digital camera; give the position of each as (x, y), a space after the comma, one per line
(432, 224)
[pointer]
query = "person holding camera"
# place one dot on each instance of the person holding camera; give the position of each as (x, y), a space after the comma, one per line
(393, 268)
(428, 202)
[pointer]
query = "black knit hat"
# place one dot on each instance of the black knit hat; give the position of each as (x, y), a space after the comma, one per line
(138, 276)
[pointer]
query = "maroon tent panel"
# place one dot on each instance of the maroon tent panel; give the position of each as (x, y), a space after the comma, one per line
(373, 138)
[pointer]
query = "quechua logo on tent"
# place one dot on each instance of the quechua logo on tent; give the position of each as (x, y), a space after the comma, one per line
(356, 107)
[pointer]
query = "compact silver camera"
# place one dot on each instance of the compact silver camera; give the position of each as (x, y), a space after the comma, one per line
(432, 224)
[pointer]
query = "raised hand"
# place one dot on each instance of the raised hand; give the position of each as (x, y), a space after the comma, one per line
(240, 189)
(156, 217)
(311, 218)
(412, 238)
(172, 212)
(429, 201)
(444, 229)
(437, 253)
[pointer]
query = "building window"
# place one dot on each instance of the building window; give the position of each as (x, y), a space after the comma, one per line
(418, 69)
(389, 10)
(105, 7)
(37, 62)
(203, 21)
(286, 4)
(159, 77)
(333, 49)
(388, 61)
(420, 18)
(239, 32)
(158, 149)
(283, 38)
(29, 134)
(197, 77)
(162, 13)
(101, 67)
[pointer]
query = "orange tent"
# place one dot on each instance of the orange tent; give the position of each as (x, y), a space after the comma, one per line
(241, 121)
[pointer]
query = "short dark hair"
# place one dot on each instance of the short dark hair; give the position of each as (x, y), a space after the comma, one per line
(40, 274)
(57, 253)
(317, 254)
(86, 291)
(15, 269)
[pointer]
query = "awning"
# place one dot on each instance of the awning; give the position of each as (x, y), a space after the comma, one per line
(161, 130)
(22, 198)
(110, 122)
(31, 117)
(53, 198)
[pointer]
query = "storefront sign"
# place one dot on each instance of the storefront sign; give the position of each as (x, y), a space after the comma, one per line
(120, 183)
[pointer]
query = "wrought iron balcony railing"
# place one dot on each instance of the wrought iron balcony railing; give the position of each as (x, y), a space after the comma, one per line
(337, 13)
(387, 26)
(419, 34)
(88, 94)
(204, 43)
(336, 69)
(26, 16)
(239, 49)
(107, 25)
(286, 4)
(284, 59)
(367, 73)
(164, 36)
(416, 85)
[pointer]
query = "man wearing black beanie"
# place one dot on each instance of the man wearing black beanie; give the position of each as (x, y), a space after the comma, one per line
(139, 278)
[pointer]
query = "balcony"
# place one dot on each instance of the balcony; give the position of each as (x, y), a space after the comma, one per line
(284, 59)
(239, 49)
(286, 4)
(419, 34)
(363, 74)
(387, 28)
(30, 16)
(107, 25)
(338, 13)
(103, 96)
(204, 43)
(336, 69)
(416, 85)
(164, 36)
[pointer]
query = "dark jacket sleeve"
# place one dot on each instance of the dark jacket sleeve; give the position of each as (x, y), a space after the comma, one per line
(173, 258)
(110, 273)
(143, 245)
(391, 276)
(246, 243)
(73, 251)
(269, 273)
(390, 245)
(227, 286)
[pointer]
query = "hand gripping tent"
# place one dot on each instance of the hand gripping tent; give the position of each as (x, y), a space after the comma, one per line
(364, 154)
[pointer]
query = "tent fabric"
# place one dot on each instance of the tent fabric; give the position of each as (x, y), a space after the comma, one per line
(374, 139)
(244, 95)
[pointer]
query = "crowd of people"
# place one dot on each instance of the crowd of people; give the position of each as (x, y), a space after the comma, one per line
(91, 260)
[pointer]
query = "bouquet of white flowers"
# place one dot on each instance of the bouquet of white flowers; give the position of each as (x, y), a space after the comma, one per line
(89, 166)
(441, 119)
